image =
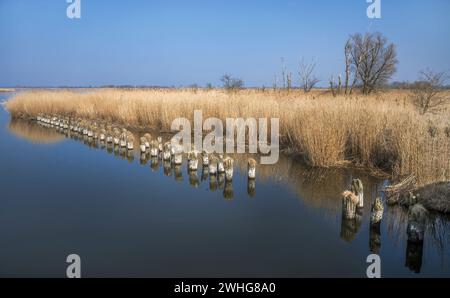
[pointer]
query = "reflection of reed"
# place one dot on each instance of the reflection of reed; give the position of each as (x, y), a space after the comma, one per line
(33, 132)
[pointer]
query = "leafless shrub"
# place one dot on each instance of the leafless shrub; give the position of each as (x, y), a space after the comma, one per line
(232, 84)
(307, 78)
(428, 94)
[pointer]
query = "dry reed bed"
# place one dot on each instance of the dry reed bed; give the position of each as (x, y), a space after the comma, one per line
(383, 131)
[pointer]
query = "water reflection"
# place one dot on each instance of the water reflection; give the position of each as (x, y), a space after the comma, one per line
(34, 133)
(375, 239)
(228, 192)
(251, 187)
(193, 178)
(414, 253)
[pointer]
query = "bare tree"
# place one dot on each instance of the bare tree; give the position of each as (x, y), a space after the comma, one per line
(307, 78)
(428, 94)
(231, 84)
(373, 60)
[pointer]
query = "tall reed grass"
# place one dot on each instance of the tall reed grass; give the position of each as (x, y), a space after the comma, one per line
(383, 131)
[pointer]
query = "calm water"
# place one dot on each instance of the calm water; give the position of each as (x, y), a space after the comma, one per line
(125, 217)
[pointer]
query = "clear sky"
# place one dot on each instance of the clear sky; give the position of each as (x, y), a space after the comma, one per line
(176, 43)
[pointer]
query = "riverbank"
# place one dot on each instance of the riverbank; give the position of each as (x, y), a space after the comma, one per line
(383, 132)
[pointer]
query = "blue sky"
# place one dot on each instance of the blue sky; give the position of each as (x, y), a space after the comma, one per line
(177, 43)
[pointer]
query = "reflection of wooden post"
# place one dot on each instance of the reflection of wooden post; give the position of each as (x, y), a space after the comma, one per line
(251, 187)
(130, 156)
(228, 192)
(374, 239)
(414, 253)
(154, 163)
(177, 172)
(416, 223)
(143, 159)
(221, 180)
(348, 229)
(167, 168)
(357, 189)
(349, 224)
(205, 173)
(212, 182)
(193, 178)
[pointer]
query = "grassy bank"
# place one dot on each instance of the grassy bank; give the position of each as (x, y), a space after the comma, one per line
(382, 131)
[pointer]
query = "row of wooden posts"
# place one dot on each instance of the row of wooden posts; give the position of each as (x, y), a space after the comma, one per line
(123, 138)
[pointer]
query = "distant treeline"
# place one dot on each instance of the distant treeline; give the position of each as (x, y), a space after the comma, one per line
(409, 85)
